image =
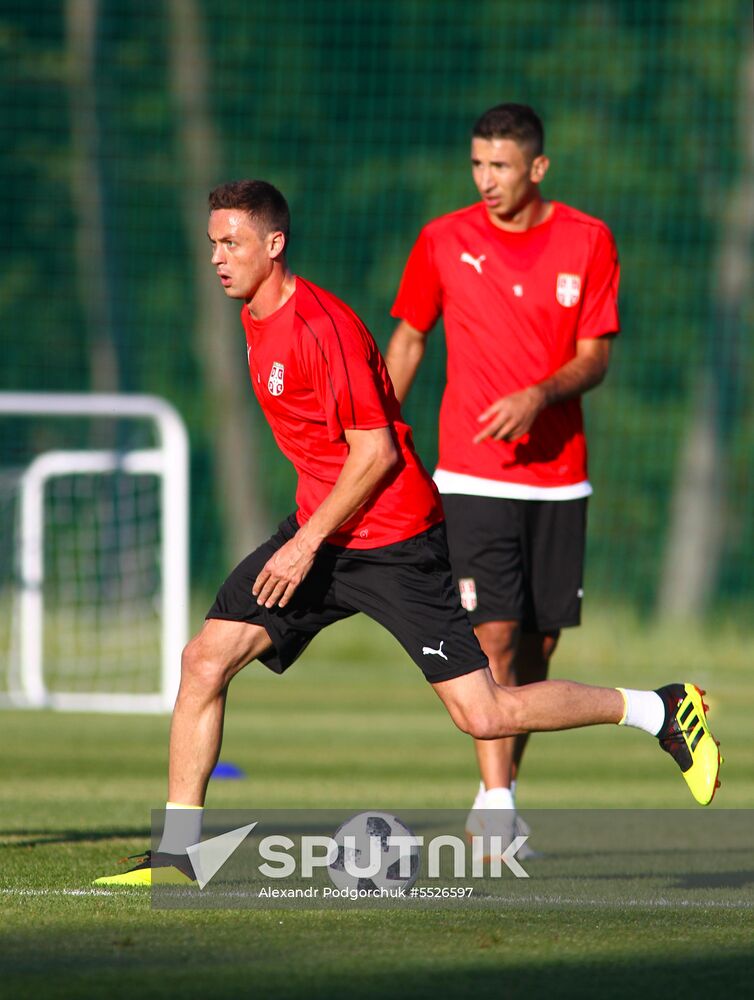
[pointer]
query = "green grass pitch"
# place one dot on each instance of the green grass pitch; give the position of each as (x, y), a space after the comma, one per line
(355, 725)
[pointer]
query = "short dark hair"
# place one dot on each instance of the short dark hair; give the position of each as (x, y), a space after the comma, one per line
(265, 205)
(512, 121)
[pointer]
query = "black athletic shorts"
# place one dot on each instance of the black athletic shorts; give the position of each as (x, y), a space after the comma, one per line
(407, 587)
(518, 560)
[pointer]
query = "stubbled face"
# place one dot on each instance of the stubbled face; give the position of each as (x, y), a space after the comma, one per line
(242, 258)
(505, 176)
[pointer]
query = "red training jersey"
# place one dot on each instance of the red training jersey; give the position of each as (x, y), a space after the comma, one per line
(514, 306)
(317, 372)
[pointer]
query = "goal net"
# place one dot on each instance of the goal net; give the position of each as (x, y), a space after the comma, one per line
(93, 551)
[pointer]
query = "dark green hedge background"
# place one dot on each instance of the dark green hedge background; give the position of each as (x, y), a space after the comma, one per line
(360, 112)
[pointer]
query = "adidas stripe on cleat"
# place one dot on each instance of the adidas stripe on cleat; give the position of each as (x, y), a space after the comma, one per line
(153, 869)
(685, 735)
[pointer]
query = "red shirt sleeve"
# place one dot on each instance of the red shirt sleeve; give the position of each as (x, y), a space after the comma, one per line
(344, 366)
(599, 313)
(419, 298)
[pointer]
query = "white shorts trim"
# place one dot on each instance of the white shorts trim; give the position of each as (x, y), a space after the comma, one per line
(475, 486)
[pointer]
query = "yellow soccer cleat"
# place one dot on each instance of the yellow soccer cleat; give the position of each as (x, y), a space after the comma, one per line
(686, 737)
(153, 869)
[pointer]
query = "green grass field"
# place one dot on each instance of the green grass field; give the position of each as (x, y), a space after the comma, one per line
(355, 725)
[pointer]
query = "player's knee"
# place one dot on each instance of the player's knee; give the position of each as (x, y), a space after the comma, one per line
(503, 670)
(499, 641)
(498, 717)
(200, 668)
(482, 724)
(549, 645)
(481, 727)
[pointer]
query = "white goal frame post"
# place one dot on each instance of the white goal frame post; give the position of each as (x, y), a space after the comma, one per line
(170, 462)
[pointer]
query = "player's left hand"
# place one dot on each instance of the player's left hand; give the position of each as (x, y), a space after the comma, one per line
(512, 416)
(282, 573)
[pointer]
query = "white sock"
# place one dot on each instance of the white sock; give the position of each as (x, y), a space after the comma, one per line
(643, 710)
(183, 827)
(498, 798)
(513, 789)
(479, 800)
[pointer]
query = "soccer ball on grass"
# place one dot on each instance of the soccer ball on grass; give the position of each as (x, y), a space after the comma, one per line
(363, 844)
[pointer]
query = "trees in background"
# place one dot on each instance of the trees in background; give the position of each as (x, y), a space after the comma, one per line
(360, 112)
(220, 348)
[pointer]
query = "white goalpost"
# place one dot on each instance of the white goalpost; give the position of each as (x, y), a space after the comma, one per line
(96, 605)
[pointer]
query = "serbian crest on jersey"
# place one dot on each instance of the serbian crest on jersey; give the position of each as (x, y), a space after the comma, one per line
(568, 289)
(275, 382)
(467, 589)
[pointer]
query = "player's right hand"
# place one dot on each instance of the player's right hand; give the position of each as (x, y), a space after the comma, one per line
(282, 573)
(512, 416)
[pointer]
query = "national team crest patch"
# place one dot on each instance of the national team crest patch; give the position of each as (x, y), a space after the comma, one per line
(568, 289)
(467, 589)
(275, 383)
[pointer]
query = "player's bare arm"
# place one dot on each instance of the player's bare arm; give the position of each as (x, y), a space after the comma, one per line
(403, 357)
(371, 455)
(512, 416)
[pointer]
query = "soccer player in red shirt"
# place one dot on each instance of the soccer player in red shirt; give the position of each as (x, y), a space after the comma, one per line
(367, 536)
(527, 289)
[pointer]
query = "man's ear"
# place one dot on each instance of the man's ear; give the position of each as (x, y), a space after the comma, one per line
(276, 244)
(539, 166)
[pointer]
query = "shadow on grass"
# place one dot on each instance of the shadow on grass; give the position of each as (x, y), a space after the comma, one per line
(742, 878)
(713, 976)
(620, 978)
(39, 838)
